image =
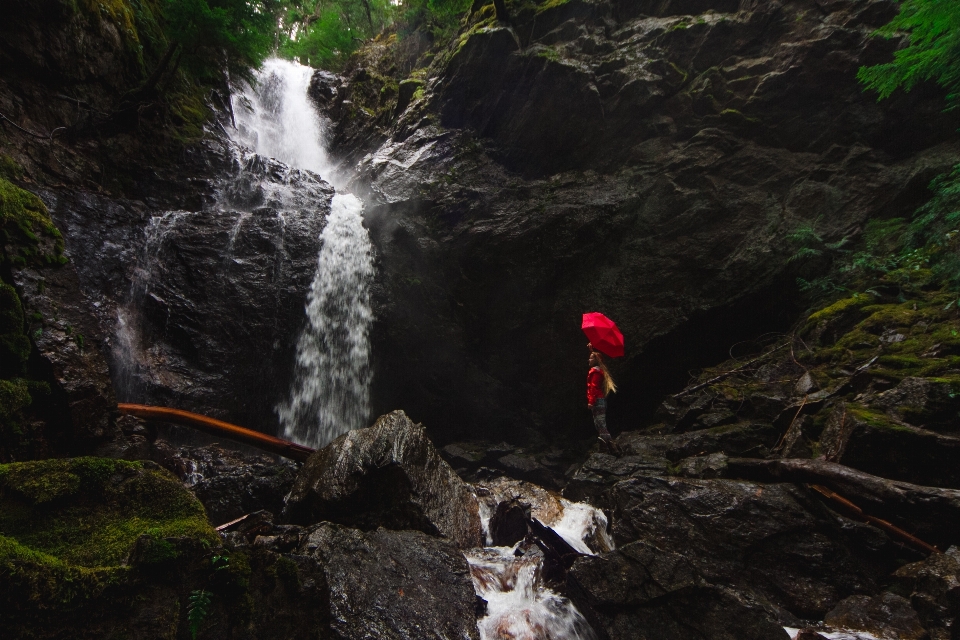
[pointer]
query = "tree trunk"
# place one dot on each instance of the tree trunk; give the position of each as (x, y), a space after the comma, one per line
(501, 7)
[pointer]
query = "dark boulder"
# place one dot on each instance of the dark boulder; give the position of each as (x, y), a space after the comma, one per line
(933, 588)
(640, 591)
(393, 584)
(884, 616)
(230, 483)
(771, 539)
(388, 475)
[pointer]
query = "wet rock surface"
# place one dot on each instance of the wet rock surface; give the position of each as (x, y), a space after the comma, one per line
(772, 539)
(595, 155)
(393, 584)
(201, 291)
(885, 616)
(388, 475)
(229, 483)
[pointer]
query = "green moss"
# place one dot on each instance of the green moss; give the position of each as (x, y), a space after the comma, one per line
(837, 308)
(550, 4)
(14, 396)
(9, 168)
(875, 418)
(23, 220)
(88, 512)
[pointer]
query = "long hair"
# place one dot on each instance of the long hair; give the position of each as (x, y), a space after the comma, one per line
(608, 385)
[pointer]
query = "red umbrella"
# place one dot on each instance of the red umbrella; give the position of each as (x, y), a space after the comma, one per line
(603, 334)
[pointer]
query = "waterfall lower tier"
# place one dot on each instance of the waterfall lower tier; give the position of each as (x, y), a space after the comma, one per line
(330, 393)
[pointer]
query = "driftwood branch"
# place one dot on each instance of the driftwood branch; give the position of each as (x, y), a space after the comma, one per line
(858, 514)
(934, 509)
(215, 427)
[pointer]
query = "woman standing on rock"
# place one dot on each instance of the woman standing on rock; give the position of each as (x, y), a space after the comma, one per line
(599, 384)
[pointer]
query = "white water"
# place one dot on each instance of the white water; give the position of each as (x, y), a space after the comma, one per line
(519, 605)
(330, 394)
(277, 120)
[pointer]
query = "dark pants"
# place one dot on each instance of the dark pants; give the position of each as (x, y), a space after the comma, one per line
(599, 410)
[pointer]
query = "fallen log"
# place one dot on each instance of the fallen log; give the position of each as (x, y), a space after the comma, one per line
(931, 512)
(858, 514)
(216, 427)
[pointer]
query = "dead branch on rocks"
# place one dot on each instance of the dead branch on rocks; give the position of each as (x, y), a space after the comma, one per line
(858, 514)
(723, 375)
(938, 509)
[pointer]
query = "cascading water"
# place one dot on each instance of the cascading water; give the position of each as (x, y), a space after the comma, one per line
(520, 605)
(330, 393)
(331, 388)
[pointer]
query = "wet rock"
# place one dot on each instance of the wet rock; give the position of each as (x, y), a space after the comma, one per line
(201, 286)
(81, 412)
(711, 466)
(885, 616)
(770, 539)
(633, 575)
(228, 482)
(865, 439)
(508, 524)
(528, 468)
(749, 439)
(388, 475)
(809, 634)
(701, 612)
(545, 467)
(923, 402)
(601, 471)
(933, 588)
(393, 584)
(713, 134)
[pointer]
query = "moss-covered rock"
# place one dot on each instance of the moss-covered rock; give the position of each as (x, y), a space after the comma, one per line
(68, 528)
(26, 229)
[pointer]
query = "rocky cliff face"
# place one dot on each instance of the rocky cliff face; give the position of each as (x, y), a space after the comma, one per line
(641, 159)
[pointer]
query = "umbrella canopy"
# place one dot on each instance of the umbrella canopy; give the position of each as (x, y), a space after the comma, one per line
(603, 334)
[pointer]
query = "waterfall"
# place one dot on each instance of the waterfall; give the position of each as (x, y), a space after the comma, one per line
(330, 391)
(331, 386)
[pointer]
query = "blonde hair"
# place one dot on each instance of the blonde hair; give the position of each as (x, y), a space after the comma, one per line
(608, 384)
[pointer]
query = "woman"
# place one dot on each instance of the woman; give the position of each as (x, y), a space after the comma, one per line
(599, 384)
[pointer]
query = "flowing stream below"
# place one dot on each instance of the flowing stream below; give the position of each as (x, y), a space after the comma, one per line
(513, 580)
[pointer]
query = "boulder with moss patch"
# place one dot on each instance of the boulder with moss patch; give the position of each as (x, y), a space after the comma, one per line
(84, 540)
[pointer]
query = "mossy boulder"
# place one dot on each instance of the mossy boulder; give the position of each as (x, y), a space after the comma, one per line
(79, 534)
(26, 230)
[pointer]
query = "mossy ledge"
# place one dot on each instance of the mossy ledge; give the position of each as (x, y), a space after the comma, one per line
(68, 526)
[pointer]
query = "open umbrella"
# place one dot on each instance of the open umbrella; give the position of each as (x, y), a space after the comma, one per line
(603, 334)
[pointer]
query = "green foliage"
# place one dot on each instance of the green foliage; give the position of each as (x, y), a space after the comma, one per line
(216, 34)
(198, 610)
(923, 252)
(933, 52)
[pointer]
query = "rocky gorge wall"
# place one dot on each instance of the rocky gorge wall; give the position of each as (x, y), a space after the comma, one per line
(645, 160)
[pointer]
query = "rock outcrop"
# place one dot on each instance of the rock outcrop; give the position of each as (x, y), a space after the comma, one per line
(393, 584)
(388, 475)
(642, 159)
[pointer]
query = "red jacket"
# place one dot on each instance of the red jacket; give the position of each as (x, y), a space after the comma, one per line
(594, 385)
